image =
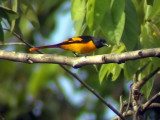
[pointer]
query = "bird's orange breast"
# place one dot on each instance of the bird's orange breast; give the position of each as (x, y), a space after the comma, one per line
(86, 47)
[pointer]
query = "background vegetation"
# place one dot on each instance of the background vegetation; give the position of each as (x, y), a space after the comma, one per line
(46, 91)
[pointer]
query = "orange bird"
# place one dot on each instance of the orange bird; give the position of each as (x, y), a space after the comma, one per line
(81, 44)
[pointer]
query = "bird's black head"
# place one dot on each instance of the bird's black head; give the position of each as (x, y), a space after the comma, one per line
(99, 42)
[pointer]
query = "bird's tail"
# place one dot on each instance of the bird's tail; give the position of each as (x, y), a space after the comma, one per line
(43, 47)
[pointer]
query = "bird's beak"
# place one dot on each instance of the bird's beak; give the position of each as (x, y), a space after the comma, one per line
(105, 44)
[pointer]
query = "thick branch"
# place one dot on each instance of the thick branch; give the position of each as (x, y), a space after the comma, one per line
(79, 61)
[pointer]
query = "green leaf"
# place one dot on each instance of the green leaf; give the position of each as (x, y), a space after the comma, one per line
(132, 29)
(116, 72)
(95, 12)
(155, 62)
(110, 69)
(78, 9)
(130, 68)
(14, 8)
(139, 6)
(78, 14)
(114, 21)
(99, 12)
(147, 39)
(105, 71)
(1, 33)
(146, 89)
(8, 13)
(90, 13)
(30, 14)
(102, 72)
(155, 9)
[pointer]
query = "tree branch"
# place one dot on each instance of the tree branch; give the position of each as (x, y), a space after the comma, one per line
(79, 61)
(125, 114)
(130, 112)
(149, 102)
(15, 43)
(154, 105)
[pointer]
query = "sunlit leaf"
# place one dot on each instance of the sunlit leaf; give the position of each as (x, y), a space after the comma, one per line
(116, 72)
(155, 9)
(14, 8)
(78, 14)
(102, 73)
(147, 39)
(95, 12)
(90, 13)
(112, 68)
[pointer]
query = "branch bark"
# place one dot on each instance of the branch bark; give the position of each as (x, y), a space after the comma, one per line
(77, 62)
(125, 114)
(149, 102)
(130, 112)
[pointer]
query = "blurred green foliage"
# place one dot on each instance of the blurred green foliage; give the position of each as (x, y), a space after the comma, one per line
(30, 92)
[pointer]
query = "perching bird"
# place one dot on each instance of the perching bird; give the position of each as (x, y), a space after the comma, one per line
(81, 44)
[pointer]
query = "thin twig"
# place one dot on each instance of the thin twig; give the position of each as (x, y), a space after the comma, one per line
(15, 43)
(149, 102)
(81, 81)
(129, 100)
(121, 106)
(140, 83)
(96, 94)
(154, 105)
(19, 37)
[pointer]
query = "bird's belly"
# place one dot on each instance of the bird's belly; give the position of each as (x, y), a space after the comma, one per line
(80, 47)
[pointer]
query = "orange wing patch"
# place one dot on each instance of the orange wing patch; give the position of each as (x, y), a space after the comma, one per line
(74, 39)
(77, 39)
